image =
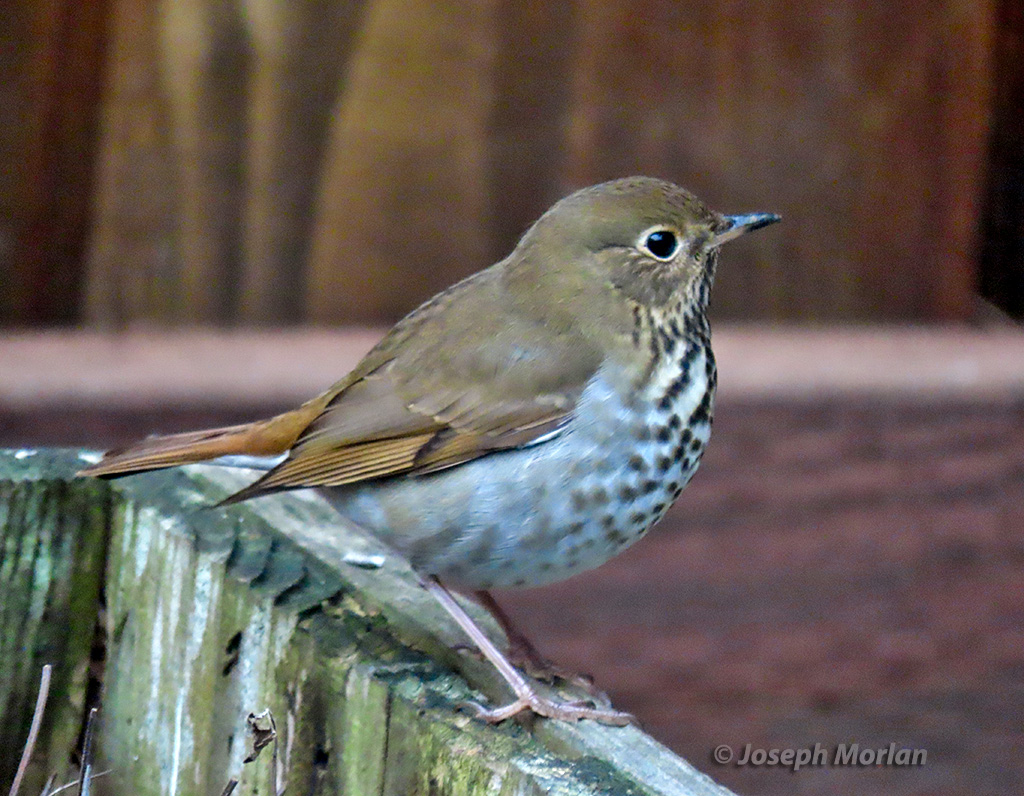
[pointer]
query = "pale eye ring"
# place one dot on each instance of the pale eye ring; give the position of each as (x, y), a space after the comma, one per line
(661, 243)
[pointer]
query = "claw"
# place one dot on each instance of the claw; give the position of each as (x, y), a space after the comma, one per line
(549, 708)
(540, 668)
(471, 706)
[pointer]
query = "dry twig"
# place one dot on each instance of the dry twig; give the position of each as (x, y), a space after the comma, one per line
(33, 732)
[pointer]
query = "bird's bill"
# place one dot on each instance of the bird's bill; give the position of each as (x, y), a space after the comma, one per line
(741, 225)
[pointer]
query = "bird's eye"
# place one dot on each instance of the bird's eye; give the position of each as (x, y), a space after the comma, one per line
(660, 243)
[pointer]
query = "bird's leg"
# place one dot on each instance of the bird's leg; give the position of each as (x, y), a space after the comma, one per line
(521, 652)
(524, 655)
(527, 697)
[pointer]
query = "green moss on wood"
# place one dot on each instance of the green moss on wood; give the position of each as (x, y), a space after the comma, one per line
(52, 550)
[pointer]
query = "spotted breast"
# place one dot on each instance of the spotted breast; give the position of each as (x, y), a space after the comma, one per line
(541, 513)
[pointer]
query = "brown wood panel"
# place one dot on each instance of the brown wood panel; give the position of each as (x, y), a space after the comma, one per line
(862, 123)
(50, 71)
(526, 133)
(332, 162)
(1002, 257)
(134, 263)
(402, 209)
(203, 58)
(299, 60)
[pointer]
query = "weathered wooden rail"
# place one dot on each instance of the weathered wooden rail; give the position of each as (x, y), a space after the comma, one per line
(180, 620)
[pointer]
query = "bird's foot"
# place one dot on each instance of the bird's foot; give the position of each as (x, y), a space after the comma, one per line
(528, 660)
(536, 666)
(538, 705)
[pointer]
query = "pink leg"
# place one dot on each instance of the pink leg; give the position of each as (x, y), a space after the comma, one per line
(527, 697)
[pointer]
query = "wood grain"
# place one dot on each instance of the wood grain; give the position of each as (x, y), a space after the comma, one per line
(262, 163)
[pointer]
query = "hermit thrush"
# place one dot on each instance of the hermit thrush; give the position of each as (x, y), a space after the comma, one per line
(526, 424)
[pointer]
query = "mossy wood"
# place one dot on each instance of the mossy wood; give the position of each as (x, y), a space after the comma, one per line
(181, 620)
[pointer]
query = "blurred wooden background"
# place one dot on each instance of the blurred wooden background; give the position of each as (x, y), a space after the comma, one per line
(261, 162)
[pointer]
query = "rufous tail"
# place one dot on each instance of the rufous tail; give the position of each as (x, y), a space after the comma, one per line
(263, 438)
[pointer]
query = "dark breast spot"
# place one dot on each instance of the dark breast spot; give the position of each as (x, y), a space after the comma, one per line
(700, 414)
(668, 343)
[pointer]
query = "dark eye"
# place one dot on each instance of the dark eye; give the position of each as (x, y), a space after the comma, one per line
(661, 243)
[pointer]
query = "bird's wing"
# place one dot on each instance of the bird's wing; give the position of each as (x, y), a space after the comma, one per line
(435, 393)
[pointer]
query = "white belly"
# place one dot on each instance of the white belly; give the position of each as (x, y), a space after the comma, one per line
(541, 513)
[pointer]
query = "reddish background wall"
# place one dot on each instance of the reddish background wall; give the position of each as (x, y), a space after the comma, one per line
(341, 161)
